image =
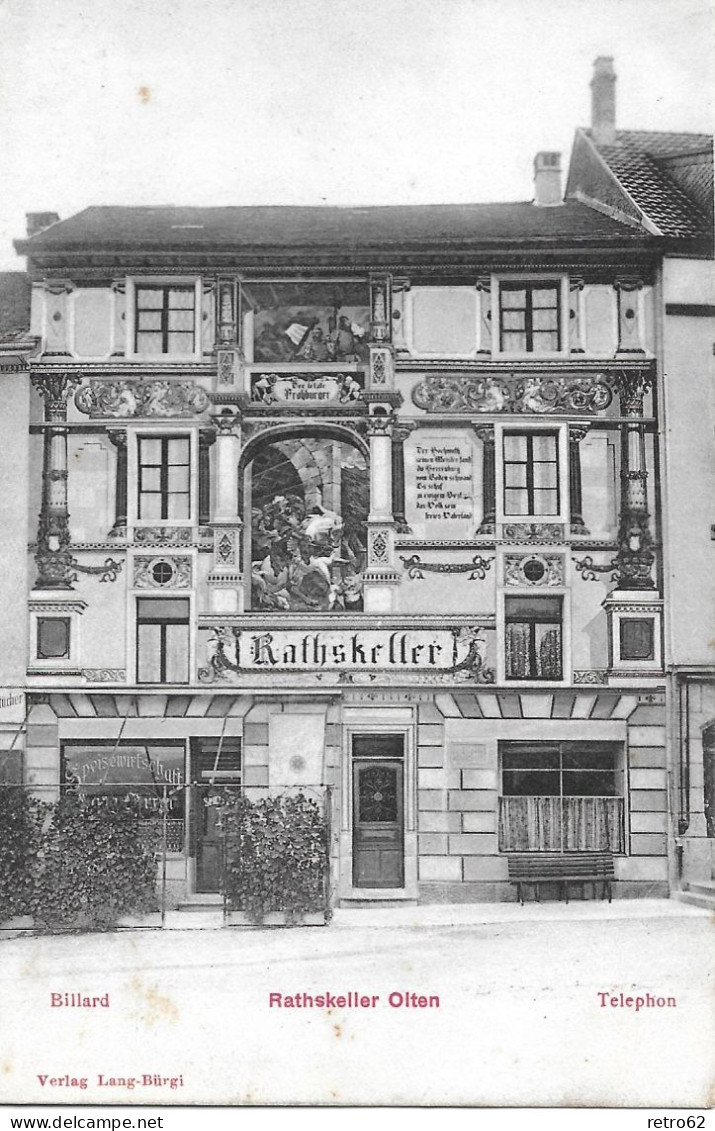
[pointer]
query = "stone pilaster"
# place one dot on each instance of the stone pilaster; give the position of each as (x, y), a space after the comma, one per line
(118, 437)
(485, 432)
(576, 435)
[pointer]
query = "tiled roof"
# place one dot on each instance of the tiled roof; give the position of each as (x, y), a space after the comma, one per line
(638, 159)
(322, 228)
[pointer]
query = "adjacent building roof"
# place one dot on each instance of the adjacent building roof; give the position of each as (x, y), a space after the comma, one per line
(666, 176)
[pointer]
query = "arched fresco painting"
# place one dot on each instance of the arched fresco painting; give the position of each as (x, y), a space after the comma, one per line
(308, 497)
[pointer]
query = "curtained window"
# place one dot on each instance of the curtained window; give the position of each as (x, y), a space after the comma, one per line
(533, 648)
(561, 797)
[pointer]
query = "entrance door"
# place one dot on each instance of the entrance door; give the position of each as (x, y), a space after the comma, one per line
(216, 767)
(378, 825)
(208, 840)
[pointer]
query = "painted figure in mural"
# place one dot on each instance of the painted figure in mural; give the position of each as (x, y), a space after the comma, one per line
(303, 560)
(350, 389)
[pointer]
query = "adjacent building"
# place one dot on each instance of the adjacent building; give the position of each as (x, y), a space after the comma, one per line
(392, 505)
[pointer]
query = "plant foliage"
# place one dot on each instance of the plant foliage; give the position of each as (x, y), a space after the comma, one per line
(79, 862)
(276, 856)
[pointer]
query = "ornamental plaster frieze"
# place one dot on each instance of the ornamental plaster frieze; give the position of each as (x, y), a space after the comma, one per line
(135, 398)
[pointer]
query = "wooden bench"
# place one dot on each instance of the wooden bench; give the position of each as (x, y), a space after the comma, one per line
(563, 869)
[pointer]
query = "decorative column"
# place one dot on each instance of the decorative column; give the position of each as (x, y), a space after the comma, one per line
(118, 437)
(206, 438)
(226, 577)
(380, 576)
(576, 435)
(575, 312)
(400, 431)
(381, 374)
(635, 555)
(228, 334)
(485, 432)
(484, 295)
(53, 556)
(629, 328)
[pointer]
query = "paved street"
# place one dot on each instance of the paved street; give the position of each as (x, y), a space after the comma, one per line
(519, 1019)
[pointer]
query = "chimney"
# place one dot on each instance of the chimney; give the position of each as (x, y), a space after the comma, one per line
(603, 101)
(38, 221)
(547, 179)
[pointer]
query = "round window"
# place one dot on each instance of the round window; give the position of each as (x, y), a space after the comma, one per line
(162, 572)
(534, 569)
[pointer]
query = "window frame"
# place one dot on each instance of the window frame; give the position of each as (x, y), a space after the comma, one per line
(563, 592)
(139, 620)
(530, 282)
(532, 622)
(67, 610)
(620, 782)
(561, 430)
(158, 282)
(164, 493)
(528, 434)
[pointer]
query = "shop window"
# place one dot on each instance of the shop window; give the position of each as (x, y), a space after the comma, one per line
(637, 638)
(165, 320)
(164, 482)
(533, 637)
(53, 638)
(149, 773)
(561, 797)
(306, 500)
(162, 640)
(529, 317)
(531, 473)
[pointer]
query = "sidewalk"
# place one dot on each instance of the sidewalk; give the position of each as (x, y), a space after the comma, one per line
(467, 914)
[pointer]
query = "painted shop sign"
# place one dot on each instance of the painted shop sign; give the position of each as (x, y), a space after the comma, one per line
(301, 388)
(12, 705)
(234, 649)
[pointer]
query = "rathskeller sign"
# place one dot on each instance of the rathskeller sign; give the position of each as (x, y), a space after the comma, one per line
(230, 648)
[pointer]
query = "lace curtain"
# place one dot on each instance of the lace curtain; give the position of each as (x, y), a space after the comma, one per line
(554, 824)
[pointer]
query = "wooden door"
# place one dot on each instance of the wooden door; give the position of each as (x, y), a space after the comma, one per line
(378, 825)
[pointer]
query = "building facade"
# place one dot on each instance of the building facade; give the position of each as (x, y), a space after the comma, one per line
(362, 502)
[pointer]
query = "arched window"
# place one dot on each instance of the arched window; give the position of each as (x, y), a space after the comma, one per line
(305, 502)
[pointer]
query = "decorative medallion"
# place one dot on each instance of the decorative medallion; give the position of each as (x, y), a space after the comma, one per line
(533, 569)
(162, 573)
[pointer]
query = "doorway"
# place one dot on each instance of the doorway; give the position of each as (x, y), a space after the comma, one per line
(378, 811)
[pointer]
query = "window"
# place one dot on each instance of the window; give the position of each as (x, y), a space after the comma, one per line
(637, 638)
(145, 773)
(533, 637)
(531, 473)
(53, 638)
(561, 797)
(165, 320)
(164, 477)
(216, 761)
(162, 640)
(529, 318)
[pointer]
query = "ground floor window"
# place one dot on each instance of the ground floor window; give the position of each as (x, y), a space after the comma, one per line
(148, 772)
(561, 797)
